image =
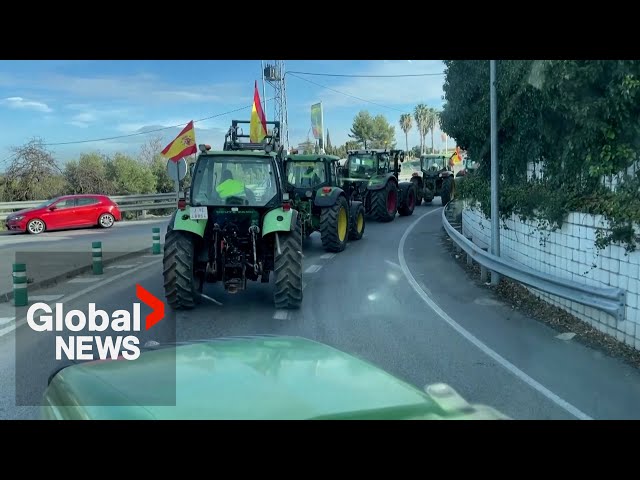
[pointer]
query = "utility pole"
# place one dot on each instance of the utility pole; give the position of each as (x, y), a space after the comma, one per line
(495, 172)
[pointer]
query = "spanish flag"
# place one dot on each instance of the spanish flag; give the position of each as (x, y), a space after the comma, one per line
(183, 145)
(258, 125)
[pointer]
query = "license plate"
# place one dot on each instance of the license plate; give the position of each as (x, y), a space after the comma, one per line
(198, 213)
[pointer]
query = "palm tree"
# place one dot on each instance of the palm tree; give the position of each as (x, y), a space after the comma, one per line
(433, 121)
(421, 114)
(406, 125)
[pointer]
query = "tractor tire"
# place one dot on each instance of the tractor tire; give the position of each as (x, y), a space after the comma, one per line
(409, 204)
(384, 203)
(416, 183)
(334, 226)
(356, 230)
(446, 193)
(287, 293)
(182, 288)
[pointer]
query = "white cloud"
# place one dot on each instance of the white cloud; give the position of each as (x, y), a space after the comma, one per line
(90, 115)
(139, 88)
(24, 104)
(386, 91)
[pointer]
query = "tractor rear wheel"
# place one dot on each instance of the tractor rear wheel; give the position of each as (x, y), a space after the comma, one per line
(287, 293)
(357, 221)
(182, 287)
(416, 183)
(334, 226)
(409, 203)
(384, 203)
(446, 194)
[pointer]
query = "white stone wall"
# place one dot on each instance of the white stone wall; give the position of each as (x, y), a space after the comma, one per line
(570, 253)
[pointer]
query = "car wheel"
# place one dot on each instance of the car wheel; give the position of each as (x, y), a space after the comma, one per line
(106, 220)
(36, 226)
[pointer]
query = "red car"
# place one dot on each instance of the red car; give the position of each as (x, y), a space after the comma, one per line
(69, 211)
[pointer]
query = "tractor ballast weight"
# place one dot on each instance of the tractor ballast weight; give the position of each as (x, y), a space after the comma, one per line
(371, 176)
(434, 180)
(312, 182)
(238, 225)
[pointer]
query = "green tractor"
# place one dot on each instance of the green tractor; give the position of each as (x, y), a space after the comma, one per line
(312, 182)
(435, 179)
(238, 225)
(371, 177)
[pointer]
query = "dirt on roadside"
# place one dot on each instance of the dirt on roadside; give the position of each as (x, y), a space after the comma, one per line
(514, 294)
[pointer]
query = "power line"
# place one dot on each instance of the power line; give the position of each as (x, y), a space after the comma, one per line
(368, 76)
(345, 94)
(77, 142)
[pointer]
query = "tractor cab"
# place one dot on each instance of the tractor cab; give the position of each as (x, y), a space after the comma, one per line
(305, 174)
(365, 164)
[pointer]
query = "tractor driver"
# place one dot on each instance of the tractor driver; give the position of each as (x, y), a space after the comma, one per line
(310, 178)
(229, 187)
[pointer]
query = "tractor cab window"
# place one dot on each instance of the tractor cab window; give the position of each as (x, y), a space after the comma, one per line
(305, 174)
(361, 164)
(433, 163)
(227, 180)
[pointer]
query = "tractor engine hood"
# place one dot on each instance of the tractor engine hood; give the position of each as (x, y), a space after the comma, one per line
(258, 377)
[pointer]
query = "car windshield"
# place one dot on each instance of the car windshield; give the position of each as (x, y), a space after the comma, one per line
(234, 180)
(363, 164)
(305, 174)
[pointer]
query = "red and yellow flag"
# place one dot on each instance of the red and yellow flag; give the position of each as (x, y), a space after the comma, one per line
(258, 124)
(183, 145)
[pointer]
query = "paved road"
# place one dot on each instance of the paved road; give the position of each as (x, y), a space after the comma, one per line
(52, 253)
(395, 299)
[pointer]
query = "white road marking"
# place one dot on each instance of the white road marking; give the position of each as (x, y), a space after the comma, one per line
(5, 320)
(328, 256)
(85, 280)
(281, 314)
(120, 266)
(82, 293)
(45, 298)
(151, 256)
(213, 300)
(474, 340)
(313, 268)
(393, 264)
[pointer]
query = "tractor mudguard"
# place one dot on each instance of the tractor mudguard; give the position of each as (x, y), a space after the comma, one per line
(379, 181)
(327, 199)
(277, 220)
(182, 221)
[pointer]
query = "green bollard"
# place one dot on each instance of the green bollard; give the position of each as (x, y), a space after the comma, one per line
(155, 249)
(20, 294)
(96, 253)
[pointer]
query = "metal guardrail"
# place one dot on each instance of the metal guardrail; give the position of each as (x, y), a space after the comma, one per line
(126, 203)
(606, 299)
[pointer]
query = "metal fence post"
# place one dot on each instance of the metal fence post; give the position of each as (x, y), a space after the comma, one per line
(156, 241)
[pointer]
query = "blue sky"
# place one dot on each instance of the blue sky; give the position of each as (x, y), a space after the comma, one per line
(69, 101)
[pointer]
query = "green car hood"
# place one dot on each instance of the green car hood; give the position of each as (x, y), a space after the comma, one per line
(260, 377)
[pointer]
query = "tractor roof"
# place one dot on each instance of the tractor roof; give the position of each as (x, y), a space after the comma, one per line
(237, 153)
(312, 157)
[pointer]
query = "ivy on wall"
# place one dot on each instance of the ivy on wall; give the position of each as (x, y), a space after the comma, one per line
(579, 119)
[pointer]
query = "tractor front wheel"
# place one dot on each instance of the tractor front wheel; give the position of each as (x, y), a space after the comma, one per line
(182, 287)
(416, 183)
(334, 226)
(287, 292)
(357, 221)
(446, 194)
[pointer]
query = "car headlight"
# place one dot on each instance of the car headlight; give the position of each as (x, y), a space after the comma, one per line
(17, 217)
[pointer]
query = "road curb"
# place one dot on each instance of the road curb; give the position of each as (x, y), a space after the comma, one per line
(8, 296)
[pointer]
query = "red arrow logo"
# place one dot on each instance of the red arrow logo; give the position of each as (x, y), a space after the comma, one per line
(152, 301)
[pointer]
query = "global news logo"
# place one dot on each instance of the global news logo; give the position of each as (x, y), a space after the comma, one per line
(41, 318)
